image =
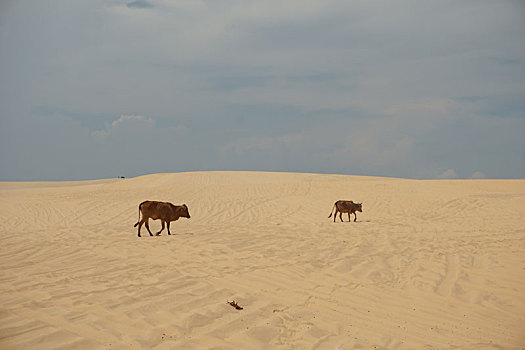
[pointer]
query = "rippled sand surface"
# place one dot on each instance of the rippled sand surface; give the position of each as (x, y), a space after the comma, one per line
(428, 263)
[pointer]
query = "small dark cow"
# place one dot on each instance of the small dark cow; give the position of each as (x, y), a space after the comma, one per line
(164, 211)
(346, 207)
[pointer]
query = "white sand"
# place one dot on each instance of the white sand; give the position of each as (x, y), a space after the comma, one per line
(428, 263)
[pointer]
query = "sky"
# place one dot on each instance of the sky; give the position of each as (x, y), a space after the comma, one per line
(94, 89)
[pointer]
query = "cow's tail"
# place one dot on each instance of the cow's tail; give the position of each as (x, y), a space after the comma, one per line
(331, 211)
(140, 205)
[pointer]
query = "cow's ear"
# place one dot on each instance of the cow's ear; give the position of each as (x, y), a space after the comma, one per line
(184, 205)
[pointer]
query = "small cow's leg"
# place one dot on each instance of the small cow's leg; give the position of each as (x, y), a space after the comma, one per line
(146, 223)
(158, 233)
(349, 217)
(335, 214)
(355, 216)
(341, 216)
(168, 224)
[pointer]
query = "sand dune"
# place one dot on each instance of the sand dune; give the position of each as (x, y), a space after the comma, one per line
(428, 264)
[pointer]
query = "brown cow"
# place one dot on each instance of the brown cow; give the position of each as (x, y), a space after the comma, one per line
(164, 211)
(346, 207)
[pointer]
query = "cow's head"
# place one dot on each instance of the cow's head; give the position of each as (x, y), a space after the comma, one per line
(184, 211)
(359, 207)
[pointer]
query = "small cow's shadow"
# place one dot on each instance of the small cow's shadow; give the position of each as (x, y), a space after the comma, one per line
(180, 234)
(166, 235)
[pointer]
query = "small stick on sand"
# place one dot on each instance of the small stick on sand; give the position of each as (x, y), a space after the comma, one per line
(235, 305)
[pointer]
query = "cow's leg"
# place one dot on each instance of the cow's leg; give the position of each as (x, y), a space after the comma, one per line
(168, 224)
(341, 216)
(335, 214)
(158, 233)
(355, 216)
(140, 225)
(146, 223)
(349, 217)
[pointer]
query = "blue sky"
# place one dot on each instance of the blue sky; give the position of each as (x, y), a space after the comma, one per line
(98, 89)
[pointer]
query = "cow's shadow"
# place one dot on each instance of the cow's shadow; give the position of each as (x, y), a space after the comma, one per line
(352, 222)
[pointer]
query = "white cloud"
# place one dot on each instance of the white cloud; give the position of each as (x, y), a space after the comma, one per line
(477, 175)
(448, 174)
(100, 134)
(120, 122)
(131, 118)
